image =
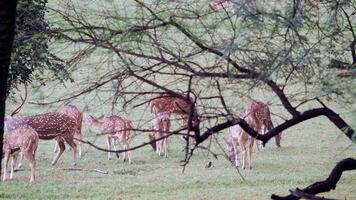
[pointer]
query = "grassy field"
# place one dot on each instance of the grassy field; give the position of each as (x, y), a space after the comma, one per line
(308, 154)
(309, 151)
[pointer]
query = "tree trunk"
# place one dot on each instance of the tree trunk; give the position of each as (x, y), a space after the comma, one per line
(7, 26)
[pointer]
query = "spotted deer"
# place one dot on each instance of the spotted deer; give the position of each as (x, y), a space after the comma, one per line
(25, 140)
(238, 137)
(160, 125)
(258, 117)
(49, 126)
(172, 105)
(262, 113)
(113, 127)
(73, 112)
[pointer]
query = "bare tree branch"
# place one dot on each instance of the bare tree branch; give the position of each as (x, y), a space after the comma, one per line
(326, 185)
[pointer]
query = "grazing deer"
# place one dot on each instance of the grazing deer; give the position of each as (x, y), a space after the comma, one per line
(259, 118)
(171, 105)
(73, 112)
(25, 139)
(113, 127)
(160, 125)
(262, 113)
(232, 143)
(237, 136)
(49, 126)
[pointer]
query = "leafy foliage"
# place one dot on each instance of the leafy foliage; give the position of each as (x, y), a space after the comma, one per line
(30, 52)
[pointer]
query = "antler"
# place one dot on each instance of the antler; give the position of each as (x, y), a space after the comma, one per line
(23, 99)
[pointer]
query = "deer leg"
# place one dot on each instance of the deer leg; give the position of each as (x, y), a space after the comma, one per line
(116, 147)
(127, 153)
(184, 123)
(19, 166)
(14, 160)
(12, 165)
(160, 147)
(157, 142)
(258, 145)
(243, 157)
(32, 162)
(108, 142)
(113, 144)
(6, 160)
(79, 131)
(166, 147)
(55, 147)
(119, 139)
(80, 144)
(249, 156)
(81, 149)
(59, 153)
(72, 144)
(235, 153)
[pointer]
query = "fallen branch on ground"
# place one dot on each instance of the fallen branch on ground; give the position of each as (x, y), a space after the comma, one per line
(299, 193)
(88, 170)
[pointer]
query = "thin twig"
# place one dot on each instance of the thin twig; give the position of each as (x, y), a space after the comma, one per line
(88, 170)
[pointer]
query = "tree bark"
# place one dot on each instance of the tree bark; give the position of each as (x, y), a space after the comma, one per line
(7, 27)
(353, 51)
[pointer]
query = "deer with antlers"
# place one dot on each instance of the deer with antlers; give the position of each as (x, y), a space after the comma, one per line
(25, 140)
(113, 127)
(73, 112)
(160, 125)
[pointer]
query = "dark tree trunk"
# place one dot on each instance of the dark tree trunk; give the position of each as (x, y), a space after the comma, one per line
(7, 26)
(353, 51)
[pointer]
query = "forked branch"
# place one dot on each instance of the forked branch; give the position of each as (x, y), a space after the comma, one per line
(326, 185)
(23, 99)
